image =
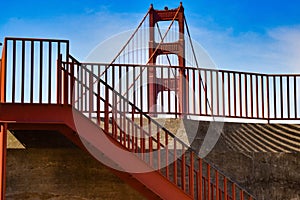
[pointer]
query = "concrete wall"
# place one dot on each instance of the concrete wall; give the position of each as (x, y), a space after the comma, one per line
(47, 166)
(51, 168)
(60, 174)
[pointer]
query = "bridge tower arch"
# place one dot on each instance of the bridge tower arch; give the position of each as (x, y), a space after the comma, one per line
(157, 85)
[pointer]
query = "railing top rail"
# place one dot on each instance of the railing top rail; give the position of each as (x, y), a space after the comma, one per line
(36, 39)
(192, 68)
(75, 60)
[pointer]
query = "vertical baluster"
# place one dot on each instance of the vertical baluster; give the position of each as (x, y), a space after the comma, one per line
(225, 188)
(194, 91)
(158, 146)
(200, 82)
(191, 175)
(257, 104)
(3, 75)
(23, 72)
(41, 72)
(150, 144)
(229, 95)
(167, 154)
(262, 96)
(217, 184)
(241, 195)
(205, 90)
(186, 93)
(49, 71)
(223, 94)
(274, 90)
(246, 94)
(241, 99)
(59, 75)
(208, 183)
(14, 72)
(169, 91)
(123, 111)
(200, 186)
(234, 93)
(281, 97)
(233, 192)
(211, 93)
(141, 87)
(163, 86)
(106, 109)
(268, 98)
(98, 103)
(295, 96)
(288, 97)
(217, 95)
(251, 94)
(183, 166)
(175, 162)
(176, 93)
(90, 90)
(31, 70)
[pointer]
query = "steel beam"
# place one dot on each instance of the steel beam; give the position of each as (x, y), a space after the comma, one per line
(3, 144)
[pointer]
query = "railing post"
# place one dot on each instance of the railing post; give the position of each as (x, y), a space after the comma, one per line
(91, 99)
(106, 110)
(191, 179)
(200, 180)
(233, 192)
(268, 99)
(152, 91)
(98, 103)
(182, 93)
(3, 74)
(217, 184)
(3, 144)
(183, 165)
(241, 195)
(225, 189)
(66, 85)
(59, 78)
(72, 82)
(208, 182)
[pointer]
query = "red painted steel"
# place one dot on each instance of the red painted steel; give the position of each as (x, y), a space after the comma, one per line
(191, 175)
(156, 85)
(3, 73)
(3, 141)
(103, 102)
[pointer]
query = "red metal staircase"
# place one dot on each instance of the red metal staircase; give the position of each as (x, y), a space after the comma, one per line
(44, 88)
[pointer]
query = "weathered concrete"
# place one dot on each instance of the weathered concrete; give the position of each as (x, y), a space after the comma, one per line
(270, 176)
(59, 171)
(52, 168)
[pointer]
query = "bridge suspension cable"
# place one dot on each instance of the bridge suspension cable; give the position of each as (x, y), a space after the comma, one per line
(134, 45)
(127, 43)
(196, 62)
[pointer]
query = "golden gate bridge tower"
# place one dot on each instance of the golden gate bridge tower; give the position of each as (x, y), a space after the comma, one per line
(164, 48)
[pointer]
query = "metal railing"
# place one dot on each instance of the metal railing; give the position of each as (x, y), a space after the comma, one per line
(140, 134)
(29, 74)
(208, 92)
(39, 71)
(29, 70)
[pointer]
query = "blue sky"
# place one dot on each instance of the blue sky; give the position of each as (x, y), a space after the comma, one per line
(260, 36)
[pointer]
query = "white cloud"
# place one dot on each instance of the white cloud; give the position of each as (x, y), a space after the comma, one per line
(84, 31)
(276, 51)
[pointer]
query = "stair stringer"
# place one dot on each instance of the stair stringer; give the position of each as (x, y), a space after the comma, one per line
(61, 118)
